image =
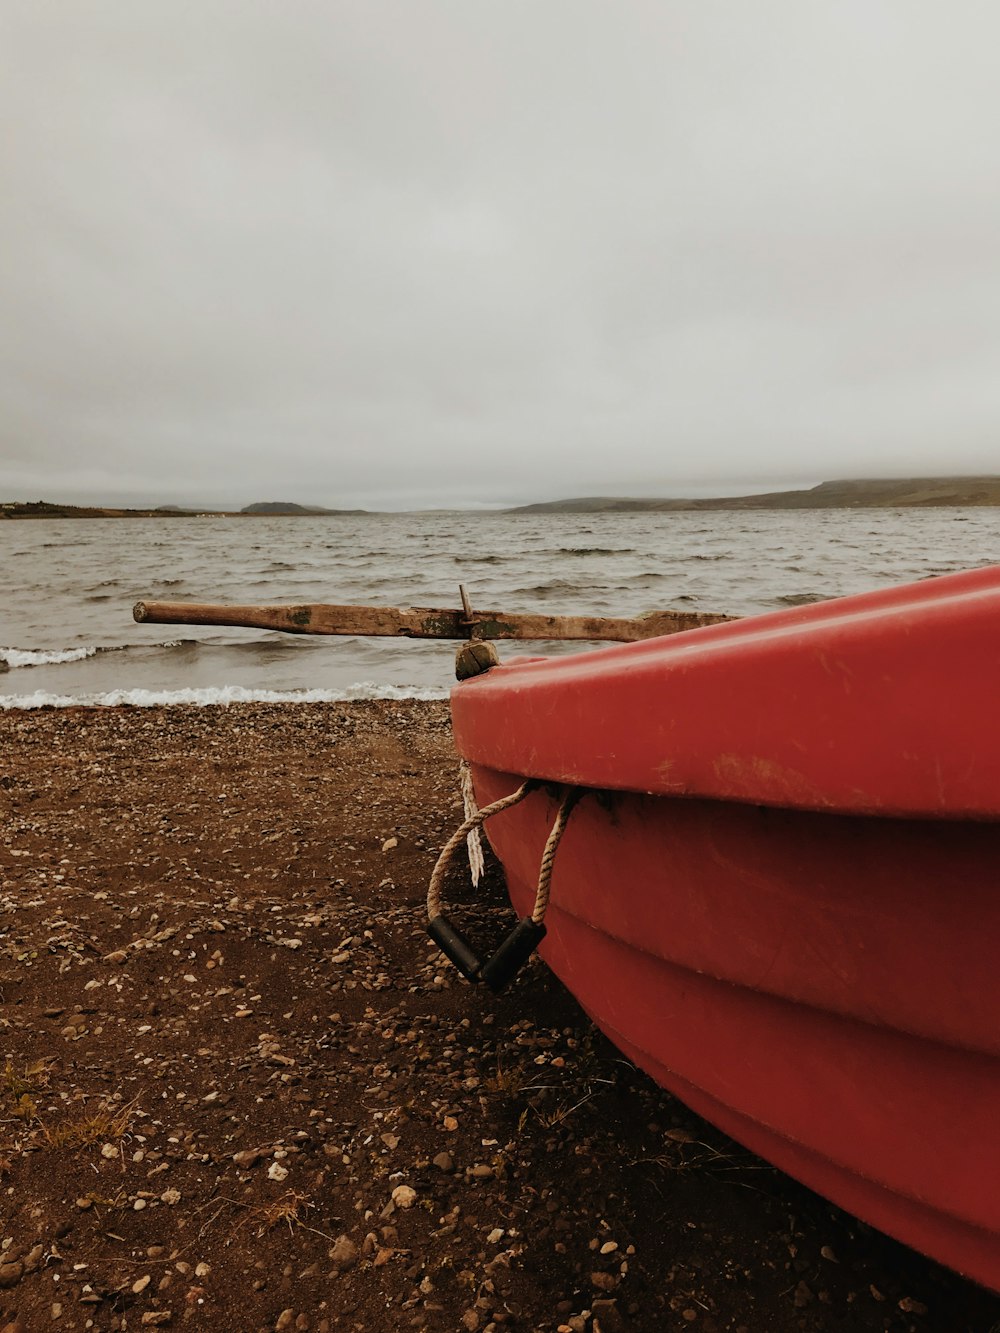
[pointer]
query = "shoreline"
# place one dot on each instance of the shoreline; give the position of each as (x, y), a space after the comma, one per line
(241, 1090)
(223, 696)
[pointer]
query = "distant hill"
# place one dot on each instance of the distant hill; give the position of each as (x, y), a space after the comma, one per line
(287, 507)
(46, 509)
(913, 492)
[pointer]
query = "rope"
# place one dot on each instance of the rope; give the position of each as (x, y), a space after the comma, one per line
(549, 855)
(474, 841)
(476, 820)
(459, 836)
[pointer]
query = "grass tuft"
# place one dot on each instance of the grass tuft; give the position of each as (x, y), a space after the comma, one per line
(288, 1209)
(109, 1122)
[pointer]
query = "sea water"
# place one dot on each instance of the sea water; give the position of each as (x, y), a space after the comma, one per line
(68, 637)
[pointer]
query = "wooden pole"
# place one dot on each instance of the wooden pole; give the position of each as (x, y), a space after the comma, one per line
(417, 622)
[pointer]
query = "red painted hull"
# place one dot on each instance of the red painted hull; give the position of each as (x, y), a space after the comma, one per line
(790, 919)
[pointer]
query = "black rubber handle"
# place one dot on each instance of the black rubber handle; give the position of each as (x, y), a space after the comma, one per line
(512, 954)
(454, 944)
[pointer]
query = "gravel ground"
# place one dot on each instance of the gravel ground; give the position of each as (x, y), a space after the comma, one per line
(240, 1090)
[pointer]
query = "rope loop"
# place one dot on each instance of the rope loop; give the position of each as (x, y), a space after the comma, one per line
(478, 818)
(474, 821)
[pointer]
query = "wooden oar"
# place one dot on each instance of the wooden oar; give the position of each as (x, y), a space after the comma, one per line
(421, 622)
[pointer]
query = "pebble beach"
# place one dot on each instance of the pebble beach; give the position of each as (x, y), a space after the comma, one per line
(240, 1089)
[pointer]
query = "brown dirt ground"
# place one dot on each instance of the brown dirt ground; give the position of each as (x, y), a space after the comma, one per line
(225, 1041)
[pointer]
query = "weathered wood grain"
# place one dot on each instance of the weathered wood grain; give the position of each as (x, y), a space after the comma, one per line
(421, 622)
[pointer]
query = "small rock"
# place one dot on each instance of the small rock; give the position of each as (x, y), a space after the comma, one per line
(344, 1252)
(139, 1286)
(803, 1295)
(170, 1196)
(155, 1318)
(403, 1196)
(277, 1172)
(284, 1320)
(495, 1236)
(470, 1320)
(202, 1270)
(444, 1161)
(826, 1252)
(609, 1247)
(109, 1151)
(139, 1205)
(482, 1172)
(250, 1157)
(10, 1274)
(389, 844)
(909, 1306)
(603, 1281)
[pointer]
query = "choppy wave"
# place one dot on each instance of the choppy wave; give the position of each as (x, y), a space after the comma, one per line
(29, 657)
(34, 657)
(222, 694)
(800, 598)
(592, 550)
(546, 589)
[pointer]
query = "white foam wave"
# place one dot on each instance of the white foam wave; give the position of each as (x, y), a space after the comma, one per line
(34, 657)
(29, 657)
(222, 694)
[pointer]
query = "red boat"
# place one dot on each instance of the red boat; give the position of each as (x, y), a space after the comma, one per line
(779, 891)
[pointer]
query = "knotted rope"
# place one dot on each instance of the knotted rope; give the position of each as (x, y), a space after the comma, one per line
(476, 820)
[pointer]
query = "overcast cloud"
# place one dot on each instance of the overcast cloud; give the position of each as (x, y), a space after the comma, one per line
(419, 253)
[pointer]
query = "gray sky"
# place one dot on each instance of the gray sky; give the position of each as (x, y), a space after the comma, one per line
(407, 252)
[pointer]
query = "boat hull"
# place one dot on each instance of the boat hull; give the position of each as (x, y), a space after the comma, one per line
(822, 988)
(779, 893)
